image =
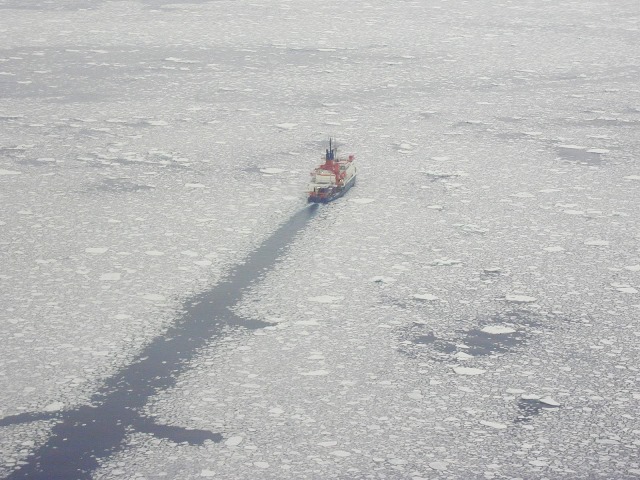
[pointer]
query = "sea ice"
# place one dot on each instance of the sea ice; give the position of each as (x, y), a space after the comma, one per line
(362, 201)
(498, 329)
(632, 177)
(468, 371)
(96, 250)
(110, 277)
(207, 473)
(424, 296)
(496, 425)
(8, 172)
(234, 441)
(381, 279)
(286, 126)
(633, 268)
(271, 170)
(325, 299)
(519, 299)
(597, 243)
(315, 373)
(440, 466)
(54, 407)
(340, 453)
(553, 249)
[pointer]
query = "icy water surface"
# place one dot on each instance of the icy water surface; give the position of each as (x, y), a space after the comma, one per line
(468, 311)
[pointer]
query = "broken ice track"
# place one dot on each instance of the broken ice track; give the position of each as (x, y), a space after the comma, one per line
(83, 435)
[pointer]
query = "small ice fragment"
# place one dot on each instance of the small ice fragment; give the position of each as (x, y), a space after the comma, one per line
(498, 329)
(96, 250)
(154, 253)
(553, 249)
(519, 299)
(599, 151)
(207, 473)
(468, 371)
(234, 441)
(203, 263)
(154, 297)
(9, 172)
(424, 296)
(261, 464)
(496, 425)
(315, 373)
(492, 270)
(194, 185)
(444, 262)
(633, 268)
(398, 461)
(286, 126)
(597, 243)
(189, 253)
(157, 123)
(110, 277)
(538, 463)
(271, 171)
(54, 407)
(632, 177)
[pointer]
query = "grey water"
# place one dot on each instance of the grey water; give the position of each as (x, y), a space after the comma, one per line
(85, 434)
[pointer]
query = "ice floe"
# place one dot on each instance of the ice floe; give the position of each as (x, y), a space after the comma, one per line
(512, 298)
(9, 172)
(498, 329)
(325, 299)
(362, 201)
(424, 296)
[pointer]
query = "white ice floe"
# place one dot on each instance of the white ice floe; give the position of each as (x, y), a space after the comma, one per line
(271, 170)
(154, 297)
(444, 262)
(96, 250)
(362, 201)
(498, 329)
(340, 453)
(549, 401)
(496, 425)
(424, 296)
(325, 299)
(468, 371)
(9, 172)
(627, 289)
(207, 473)
(194, 185)
(597, 243)
(633, 268)
(53, 407)
(154, 253)
(462, 356)
(110, 277)
(315, 373)
(515, 391)
(520, 299)
(553, 249)
(439, 466)
(599, 151)
(286, 126)
(234, 441)
(632, 177)
(157, 123)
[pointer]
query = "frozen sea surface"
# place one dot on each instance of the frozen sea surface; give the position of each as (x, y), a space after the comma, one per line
(469, 310)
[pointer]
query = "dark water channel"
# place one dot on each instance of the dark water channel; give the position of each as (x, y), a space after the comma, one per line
(83, 435)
